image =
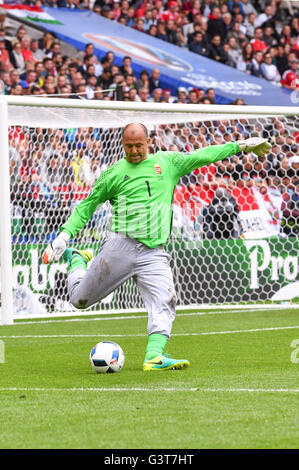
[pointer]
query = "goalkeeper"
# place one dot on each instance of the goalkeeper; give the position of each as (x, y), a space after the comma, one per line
(140, 188)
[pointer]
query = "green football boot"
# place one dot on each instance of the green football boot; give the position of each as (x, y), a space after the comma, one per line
(76, 258)
(165, 363)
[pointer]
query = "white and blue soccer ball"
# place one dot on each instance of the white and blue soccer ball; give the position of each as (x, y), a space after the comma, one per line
(106, 357)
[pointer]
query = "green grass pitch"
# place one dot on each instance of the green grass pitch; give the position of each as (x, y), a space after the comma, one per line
(241, 390)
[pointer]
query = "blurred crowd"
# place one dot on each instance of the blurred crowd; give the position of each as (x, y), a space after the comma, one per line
(52, 170)
(260, 38)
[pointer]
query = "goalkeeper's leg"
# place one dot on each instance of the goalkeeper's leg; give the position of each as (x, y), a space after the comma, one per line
(111, 267)
(155, 284)
(119, 259)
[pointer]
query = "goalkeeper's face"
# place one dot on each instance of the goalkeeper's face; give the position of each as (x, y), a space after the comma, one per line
(135, 143)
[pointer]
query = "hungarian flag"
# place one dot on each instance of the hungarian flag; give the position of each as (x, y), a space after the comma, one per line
(30, 13)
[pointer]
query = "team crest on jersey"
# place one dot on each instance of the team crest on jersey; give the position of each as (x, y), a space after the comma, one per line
(157, 169)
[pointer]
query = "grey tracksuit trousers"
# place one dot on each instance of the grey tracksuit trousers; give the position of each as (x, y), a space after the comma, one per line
(119, 259)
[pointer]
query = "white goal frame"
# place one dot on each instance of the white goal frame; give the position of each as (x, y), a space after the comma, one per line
(132, 111)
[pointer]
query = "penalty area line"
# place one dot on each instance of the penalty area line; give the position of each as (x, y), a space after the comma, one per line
(151, 389)
(112, 335)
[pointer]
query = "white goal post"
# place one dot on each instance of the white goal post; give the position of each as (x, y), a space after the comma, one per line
(235, 230)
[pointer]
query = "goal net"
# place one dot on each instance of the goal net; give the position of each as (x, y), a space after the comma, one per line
(235, 223)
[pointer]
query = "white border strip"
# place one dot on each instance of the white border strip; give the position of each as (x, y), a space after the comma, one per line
(148, 389)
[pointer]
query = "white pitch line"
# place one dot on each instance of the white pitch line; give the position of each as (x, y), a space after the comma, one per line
(151, 389)
(204, 333)
(134, 317)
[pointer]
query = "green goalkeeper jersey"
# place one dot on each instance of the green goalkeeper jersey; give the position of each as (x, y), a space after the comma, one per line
(141, 194)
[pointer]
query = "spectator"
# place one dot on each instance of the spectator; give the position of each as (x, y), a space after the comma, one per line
(166, 96)
(198, 44)
(91, 86)
(290, 209)
(189, 28)
(161, 31)
(234, 52)
(5, 63)
(156, 95)
(16, 89)
(148, 20)
(129, 81)
(290, 78)
(16, 56)
(257, 42)
(49, 68)
(37, 53)
(245, 58)
(6, 23)
(116, 11)
(265, 17)
(247, 7)
(201, 93)
(210, 95)
(77, 79)
(174, 33)
(153, 30)
(216, 25)
(228, 21)
(105, 79)
(238, 32)
(234, 6)
(8, 45)
(268, 70)
(130, 13)
(52, 174)
(55, 49)
(249, 24)
(126, 66)
(133, 95)
(14, 77)
(26, 51)
(182, 95)
(5, 81)
(172, 11)
(45, 42)
(61, 82)
(143, 81)
(281, 60)
(154, 81)
(216, 51)
(254, 67)
(139, 25)
(192, 96)
(221, 217)
(30, 79)
(268, 37)
(144, 94)
(88, 51)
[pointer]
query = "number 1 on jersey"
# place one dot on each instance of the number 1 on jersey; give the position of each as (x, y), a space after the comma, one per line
(148, 188)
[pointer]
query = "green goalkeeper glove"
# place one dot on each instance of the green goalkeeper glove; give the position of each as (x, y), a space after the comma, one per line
(256, 145)
(56, 249)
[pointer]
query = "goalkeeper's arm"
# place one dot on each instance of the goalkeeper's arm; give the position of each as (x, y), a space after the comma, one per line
(77, 220)
(184, 164)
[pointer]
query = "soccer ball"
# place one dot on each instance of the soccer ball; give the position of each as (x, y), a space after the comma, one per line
(106, 357)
